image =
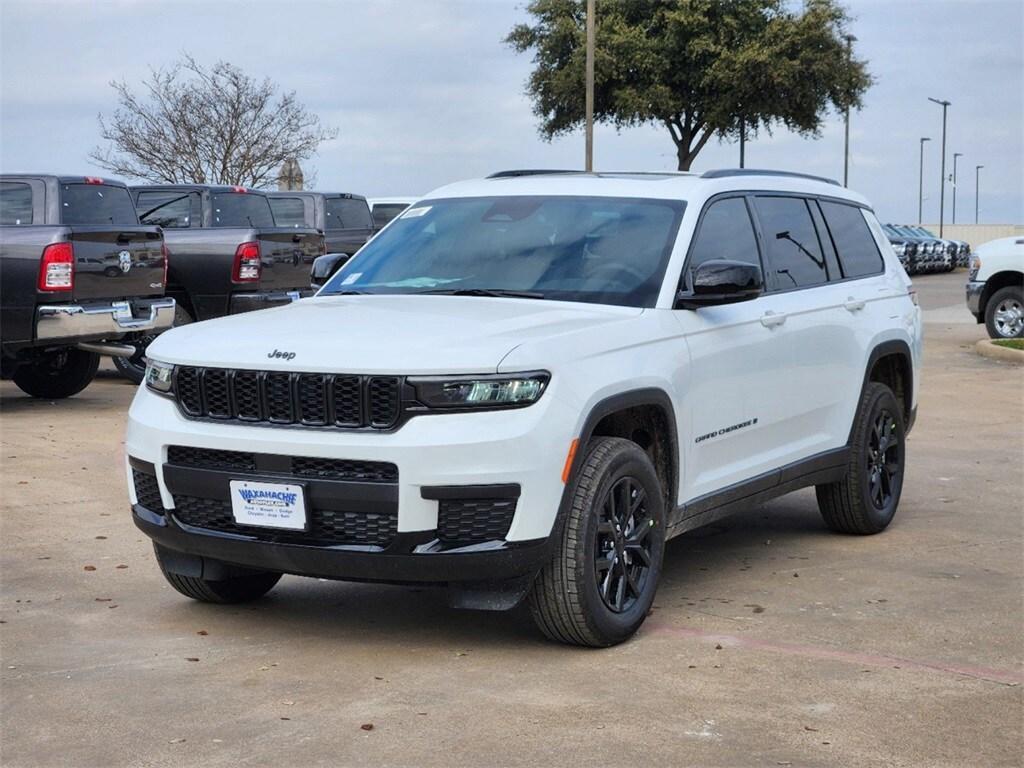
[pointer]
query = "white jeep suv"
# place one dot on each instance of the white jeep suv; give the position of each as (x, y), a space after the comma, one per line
(526, 384)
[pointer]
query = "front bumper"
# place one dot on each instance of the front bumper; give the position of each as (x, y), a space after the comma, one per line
(438, 460)
(250, 302)
(407, 559)
(974, 291)
(103, 321)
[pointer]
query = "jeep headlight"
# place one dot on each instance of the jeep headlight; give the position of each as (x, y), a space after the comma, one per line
(159, 376)
(899, 248)
(482, 392)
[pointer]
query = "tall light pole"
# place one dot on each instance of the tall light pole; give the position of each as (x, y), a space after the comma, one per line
(942, 173)
(590, 86)
(955, 156)
(850, 40)
(920, 183)
(976, 175)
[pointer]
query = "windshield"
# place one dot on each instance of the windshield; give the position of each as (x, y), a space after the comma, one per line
(600, 250)
(240, 209)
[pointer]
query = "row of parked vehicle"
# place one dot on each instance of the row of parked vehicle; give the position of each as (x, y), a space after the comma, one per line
(91, 266)
(921, 252)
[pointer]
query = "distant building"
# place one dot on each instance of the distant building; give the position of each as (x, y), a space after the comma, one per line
(290, 177)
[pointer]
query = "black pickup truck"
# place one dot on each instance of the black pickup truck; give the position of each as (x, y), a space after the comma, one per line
(344, 218)
(78, 275)
(227, 254)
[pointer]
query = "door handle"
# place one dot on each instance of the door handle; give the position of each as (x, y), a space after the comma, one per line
(771, 319)
(853, 304)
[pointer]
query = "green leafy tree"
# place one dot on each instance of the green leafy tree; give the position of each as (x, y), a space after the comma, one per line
(701, 68)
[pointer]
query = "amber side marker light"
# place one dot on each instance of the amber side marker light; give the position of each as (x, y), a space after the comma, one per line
(567, 469)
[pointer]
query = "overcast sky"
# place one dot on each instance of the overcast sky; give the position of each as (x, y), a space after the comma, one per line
(424, 92)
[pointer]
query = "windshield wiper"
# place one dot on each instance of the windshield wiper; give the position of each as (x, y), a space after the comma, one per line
(485, 292)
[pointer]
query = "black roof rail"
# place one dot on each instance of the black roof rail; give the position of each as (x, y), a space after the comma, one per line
(727, 173)
(531, 172)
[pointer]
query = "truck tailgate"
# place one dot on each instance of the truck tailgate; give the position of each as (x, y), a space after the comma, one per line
(115, 263)
(287, 256)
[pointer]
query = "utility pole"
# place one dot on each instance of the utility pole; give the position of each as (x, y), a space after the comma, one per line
(955, 156)
(920, 183)
(942, 189)
(977, 168)
(850, 39)
(590, 86)
(743, 142)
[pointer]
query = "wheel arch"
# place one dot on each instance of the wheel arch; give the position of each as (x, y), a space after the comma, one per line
(1003, 279)
(648, 411)
(891, 363)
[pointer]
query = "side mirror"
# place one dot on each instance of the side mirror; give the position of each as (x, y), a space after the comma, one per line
(721, 281)
(324, 268)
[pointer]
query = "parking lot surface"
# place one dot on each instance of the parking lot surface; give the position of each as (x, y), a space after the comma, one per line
(772, 641)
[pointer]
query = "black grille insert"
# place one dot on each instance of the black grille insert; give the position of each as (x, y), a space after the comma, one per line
(310, 399)
(148, 492)
(326, 527)
(346, 470)
(470, 521)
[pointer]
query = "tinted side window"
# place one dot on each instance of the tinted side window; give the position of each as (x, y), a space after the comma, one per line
(858, 253)
(385, 212)
(347, 213)
(168, 209)
(15, 203)
(288, 211)
(725, 232)
(794, 253)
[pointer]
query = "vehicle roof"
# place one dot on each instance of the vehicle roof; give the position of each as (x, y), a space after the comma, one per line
(658, 185)
(61, 179)
(312, 193)
(200, 187)
(394, 200)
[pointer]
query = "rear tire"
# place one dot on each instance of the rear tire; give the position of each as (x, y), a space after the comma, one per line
(600, 582)
(238, 589)
(865, 500)
(1004, 313)
(134, 367)
(56, 375)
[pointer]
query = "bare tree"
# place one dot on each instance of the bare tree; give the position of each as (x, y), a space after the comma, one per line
(204, 125)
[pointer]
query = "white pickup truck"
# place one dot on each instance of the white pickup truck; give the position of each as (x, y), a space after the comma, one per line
(995, 287)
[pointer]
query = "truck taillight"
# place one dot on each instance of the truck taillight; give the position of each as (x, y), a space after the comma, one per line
(247, 263)
(167, 261)
(57, 268)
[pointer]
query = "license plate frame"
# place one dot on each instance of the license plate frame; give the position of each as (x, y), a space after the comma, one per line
(270, 505)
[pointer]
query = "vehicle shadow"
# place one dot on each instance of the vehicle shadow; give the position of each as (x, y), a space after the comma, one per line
(400, 616)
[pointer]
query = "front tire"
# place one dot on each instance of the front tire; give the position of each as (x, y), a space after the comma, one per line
(57, 375)
(1004, 313)
(600, 583)
(237, 589)
(865, 500)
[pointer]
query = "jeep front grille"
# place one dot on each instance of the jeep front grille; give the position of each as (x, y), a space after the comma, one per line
(272, 397)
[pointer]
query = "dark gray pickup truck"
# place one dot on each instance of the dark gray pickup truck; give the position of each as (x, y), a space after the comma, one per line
(227, 254)
(344, 218)
(78, 275)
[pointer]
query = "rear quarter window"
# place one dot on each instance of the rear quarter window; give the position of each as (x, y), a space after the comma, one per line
(15, 203)
(858, 253)
(96, 205)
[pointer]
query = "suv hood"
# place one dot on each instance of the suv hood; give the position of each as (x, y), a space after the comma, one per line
(380, 334)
